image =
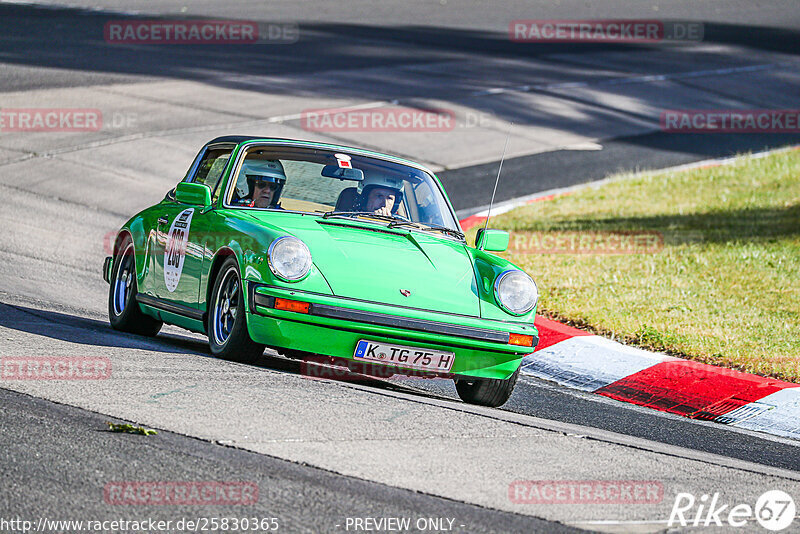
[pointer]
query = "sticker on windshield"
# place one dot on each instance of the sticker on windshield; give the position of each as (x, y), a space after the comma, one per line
(175, 251)
(344, 161)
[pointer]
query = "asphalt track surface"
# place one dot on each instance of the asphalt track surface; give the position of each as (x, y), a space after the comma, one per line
(303, 499)
(56, 454)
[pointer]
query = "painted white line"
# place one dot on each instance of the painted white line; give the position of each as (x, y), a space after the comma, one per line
(178, 131)
(622, 522)
(643, 523)
(508, 205)
(631, 79)
(52, 6)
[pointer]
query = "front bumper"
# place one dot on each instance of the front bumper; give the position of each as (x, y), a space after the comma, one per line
(334, 326)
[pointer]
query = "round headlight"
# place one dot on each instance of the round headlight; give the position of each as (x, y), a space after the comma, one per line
(516, 292)
(289, 258)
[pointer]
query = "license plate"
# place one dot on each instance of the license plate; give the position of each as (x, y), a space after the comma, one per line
(413, 357)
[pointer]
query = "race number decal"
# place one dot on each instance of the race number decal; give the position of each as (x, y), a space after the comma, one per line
(175, 252)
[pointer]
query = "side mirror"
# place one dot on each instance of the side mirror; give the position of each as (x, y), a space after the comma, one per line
(194, 194)
(492, 240)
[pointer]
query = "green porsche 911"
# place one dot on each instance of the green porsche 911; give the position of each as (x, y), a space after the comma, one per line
(318, 249)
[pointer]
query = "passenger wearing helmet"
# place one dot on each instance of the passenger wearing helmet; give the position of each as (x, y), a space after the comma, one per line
(380, 193)
(260, 183)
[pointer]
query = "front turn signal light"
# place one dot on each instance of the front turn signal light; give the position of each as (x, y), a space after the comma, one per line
(522, 340)
(292, 305)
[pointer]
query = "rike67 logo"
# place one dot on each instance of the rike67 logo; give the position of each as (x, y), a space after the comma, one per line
(774, 510)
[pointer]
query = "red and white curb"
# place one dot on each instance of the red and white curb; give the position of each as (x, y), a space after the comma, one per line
(579, 360)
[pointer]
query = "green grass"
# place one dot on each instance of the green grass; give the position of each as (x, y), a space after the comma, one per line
(130, 429)
(725, 288)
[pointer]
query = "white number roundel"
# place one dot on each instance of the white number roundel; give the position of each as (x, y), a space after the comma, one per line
(175, 252)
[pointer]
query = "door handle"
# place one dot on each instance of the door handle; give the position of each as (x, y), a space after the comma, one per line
(163, 220)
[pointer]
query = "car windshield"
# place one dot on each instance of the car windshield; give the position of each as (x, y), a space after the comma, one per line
(340, 184)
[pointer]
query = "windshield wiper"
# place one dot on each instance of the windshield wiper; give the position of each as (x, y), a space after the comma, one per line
(446, 230)
(427, 226)
(403, 222)
(394, 222)
(349, 214)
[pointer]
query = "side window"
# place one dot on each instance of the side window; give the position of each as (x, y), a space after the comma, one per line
(211, 167)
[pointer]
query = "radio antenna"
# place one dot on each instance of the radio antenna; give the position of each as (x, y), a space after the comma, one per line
(497, 180)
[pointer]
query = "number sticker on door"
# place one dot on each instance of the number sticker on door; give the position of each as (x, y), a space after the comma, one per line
(175, 252)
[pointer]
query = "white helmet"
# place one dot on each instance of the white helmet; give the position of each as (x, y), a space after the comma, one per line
(256, 170)
(381, 179)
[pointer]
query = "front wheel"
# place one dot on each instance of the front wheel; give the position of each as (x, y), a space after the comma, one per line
(123, 312)
(492, 392)
(227, 323)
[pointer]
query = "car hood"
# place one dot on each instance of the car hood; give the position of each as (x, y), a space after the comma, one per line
(373, 263)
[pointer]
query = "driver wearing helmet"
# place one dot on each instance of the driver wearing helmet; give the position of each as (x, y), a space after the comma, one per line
(260, 183)
(380, 193)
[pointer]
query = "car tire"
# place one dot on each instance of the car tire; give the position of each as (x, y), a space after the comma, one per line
(227, 320)
(486, 391)
(123, 312)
